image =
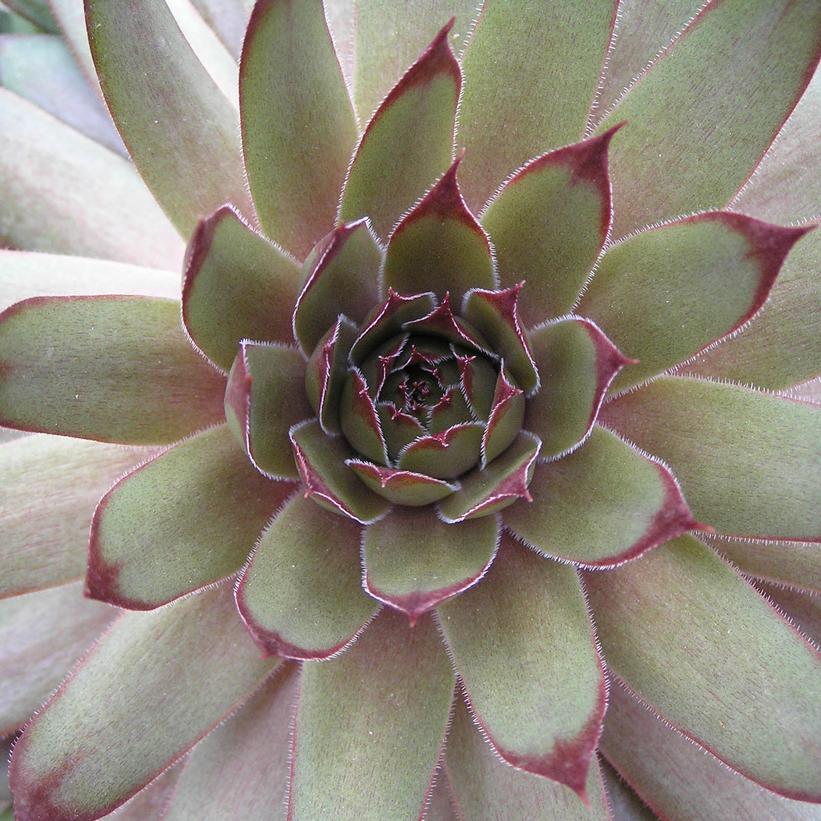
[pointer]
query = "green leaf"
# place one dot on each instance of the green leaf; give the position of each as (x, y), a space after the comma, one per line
(445, 455)
(182, 520)
(747, 461)
(151, 800)
(690, 143)
(180, 129)
(241, 769)
(549, 222)
(401, 487)
(340, 276)
(782, 344)
(523, 645)
(359, 419)
(408, 143)
(298, 124)
(676, 777)
(624, 803)
(483, 787)
(372, 756)
(228, 20)
(439, 246)
(264, 398)
(802, 608)
(41, 635)
(108, 368)
(300, 595)
(26, 274)
(51, 486)
(36, 11)
(328, 480)
(579, 363)
(601, 506)
(513, 108)
(389, 37)
(236, 285)
(166, 678)
(96, 204)
(42, 69)
(700, 645)
(400, 429)
(413, 574)
(658, 297)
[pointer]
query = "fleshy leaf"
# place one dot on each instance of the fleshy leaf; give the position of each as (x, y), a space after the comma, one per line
(375, 753)
(495, 314)
(624, 803)
(408, 143)
(51, 486)
(265, 396)
(439, 246)
(413, 574)
(359, 420)
(505, 420)
(41, 635)
(300, 594)
(339, 277)
(96, 206)
(36, 12)
(673, 775)
(684, 149)
(187, 666)
(328, 480)
(478, 380)
(801, 607)
(400, 429)
(325, 373)
(182, 520)
(747, 461)
(444, 455)
(602, 505)
(443, 323)
(452, 409)
(658, 295)
(523, 645)
(237, 285)
(484, 787)
(580, 362)
(496, 486)
(113, 368)
(402, 487)
(228, 20)
(298, 125)
(513, 60)
(679, 625)
(549, 222)
(171, 115)
(241, 769)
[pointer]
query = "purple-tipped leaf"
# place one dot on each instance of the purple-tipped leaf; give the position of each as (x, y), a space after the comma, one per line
(444, 455)
(505, 420)
(359, 419)
(443, 323)
(401, 487)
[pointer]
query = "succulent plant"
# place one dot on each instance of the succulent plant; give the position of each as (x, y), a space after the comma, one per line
(474, 471)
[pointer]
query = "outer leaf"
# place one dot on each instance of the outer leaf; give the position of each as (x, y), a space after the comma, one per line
(327, 478)
(439, 246)
(375, 754)
(484, 788)
(699, 643)
(513, 59)
(50, 171)
(548, 224)
(658, 294)
(51, 487)
(602, 505)
(782, 345)
(172, 117)
(107, 368)
(413, 574)
(264, 398)
(237, 285)
(676, 777)
(579, 363)
(747, 461)
(523, 645)
(24, 274)
(42, 69)
(402, 487)
(187, 666)
(298, 125)
(179, 522)
(241, 769)
(408, 142)
(300, 594)
(687, 147)
(339, 277)
(41, 635)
